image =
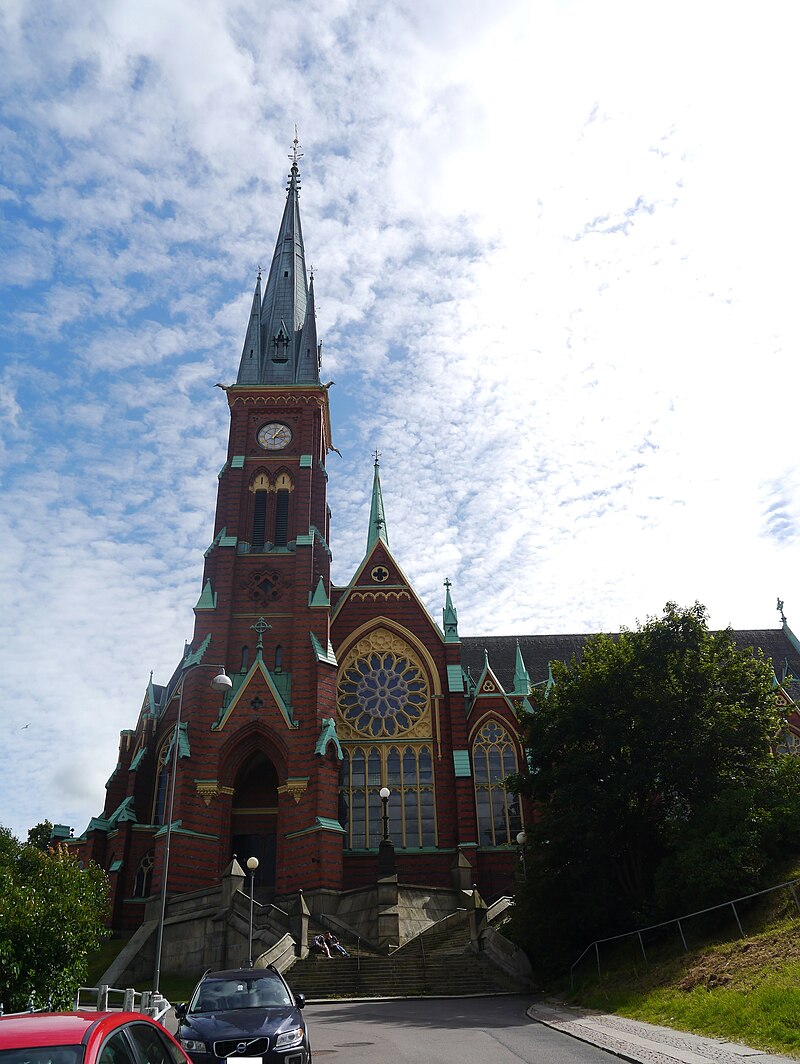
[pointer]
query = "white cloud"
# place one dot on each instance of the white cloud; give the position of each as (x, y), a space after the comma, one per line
(554, 256)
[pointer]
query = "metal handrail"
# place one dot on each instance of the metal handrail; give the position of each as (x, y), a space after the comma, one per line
(151, 1003)
(791, 884)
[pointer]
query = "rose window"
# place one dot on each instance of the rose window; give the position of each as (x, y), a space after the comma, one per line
(382, 694)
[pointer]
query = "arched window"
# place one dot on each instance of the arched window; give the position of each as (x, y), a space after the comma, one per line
(278, 658)
(384, 723)
(283, 487)
(245, 658)
(260, 489)
(494, 759)
(144, 876)
(162, 778)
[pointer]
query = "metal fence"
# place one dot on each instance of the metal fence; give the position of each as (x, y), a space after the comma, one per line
(679, 921)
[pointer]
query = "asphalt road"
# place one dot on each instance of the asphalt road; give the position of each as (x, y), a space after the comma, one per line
(491, 1030)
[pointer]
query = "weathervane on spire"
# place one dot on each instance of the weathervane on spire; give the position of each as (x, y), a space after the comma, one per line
(779, 608)
(295, 145)
(377, 456)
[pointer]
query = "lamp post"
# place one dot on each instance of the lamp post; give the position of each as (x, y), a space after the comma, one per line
(386, 865)
(522, 838)
(221, 683)
(252, 865)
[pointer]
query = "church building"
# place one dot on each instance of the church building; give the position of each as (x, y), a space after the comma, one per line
(330, 695)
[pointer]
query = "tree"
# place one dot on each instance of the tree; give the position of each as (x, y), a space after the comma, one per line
(52, 915)
(39, 836)
(655, 745)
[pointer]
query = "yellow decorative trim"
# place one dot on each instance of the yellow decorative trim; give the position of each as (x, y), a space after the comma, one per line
(208, 789)
(295, 787)
(380, 596)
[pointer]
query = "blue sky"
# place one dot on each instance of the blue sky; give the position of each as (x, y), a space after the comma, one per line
(554, 247)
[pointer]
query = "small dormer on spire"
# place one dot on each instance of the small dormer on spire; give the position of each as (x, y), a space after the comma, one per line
(449, 617)
(377, 517)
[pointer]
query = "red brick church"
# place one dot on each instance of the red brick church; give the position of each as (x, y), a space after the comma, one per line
(335, 692)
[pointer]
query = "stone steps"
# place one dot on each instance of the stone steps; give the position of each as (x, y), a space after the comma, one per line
(435, 964)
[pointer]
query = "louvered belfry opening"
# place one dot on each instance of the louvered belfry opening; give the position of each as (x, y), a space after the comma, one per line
(259, 519)
(281, 517)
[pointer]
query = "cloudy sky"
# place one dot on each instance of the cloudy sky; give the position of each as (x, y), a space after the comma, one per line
(555, 249)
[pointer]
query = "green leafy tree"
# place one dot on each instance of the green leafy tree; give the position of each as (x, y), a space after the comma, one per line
(650, 762)
(51, 916)
(39, 836)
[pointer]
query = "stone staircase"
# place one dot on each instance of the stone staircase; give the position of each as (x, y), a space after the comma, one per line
(438, 962)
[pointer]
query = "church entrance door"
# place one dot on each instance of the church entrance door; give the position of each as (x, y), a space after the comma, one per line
(254, 821)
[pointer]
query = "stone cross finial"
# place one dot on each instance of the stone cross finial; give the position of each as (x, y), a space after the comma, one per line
(260, 626)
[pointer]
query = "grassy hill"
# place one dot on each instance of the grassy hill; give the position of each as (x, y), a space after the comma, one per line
(745, 989)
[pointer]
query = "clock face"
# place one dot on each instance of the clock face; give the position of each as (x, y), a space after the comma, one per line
(274, 436)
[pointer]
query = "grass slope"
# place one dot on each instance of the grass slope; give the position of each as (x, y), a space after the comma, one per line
(747, 990)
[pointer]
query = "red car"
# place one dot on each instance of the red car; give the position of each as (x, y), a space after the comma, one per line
(86, 1038)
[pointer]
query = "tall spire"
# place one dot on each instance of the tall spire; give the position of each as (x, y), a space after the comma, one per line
(377, 517)
(286, 352)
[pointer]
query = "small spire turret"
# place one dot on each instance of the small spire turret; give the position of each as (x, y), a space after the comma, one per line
(449, 616)
(377, 516)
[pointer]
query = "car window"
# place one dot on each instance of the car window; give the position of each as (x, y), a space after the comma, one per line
(152, 1046)
(43, 1055)
(116, 1050)
(223, 995)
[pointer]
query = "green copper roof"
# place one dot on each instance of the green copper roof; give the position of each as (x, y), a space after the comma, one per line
(461, 764)
(280, 345)
(192, 658)
(325, 655)
(320, 596)
(377, 517)
(449, 617)
(522, 681)
(328, 735)
(208, 598)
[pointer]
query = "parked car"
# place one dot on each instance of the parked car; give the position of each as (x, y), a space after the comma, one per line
(247, 1015)
(86, 1038)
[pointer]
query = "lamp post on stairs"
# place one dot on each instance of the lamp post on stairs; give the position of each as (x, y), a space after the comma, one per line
(386, 861)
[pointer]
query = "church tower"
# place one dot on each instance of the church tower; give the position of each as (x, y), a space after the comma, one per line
(265, 611)
(258, 768)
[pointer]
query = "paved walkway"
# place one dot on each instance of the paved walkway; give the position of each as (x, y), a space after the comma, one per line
(644, 1043)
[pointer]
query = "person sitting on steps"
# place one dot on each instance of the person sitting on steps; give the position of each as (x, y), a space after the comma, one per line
(333, 943)
(321, 946)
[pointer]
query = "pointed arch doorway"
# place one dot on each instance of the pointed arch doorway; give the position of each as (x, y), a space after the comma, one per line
(254, 820)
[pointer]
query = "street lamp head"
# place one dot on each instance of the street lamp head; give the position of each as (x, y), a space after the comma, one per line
(522, 838)
(221, 682)
(384, 793)
(252, 863)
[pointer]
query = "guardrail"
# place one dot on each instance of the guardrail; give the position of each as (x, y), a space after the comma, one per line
(106, 998)
(678, 921)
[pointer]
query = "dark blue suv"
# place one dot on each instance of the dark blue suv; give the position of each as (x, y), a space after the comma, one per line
(247, 1015)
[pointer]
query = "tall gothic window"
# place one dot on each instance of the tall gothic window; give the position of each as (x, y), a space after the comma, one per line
(494, 758)
(144, 876)
(162, 778)
(384, 723)
(408, 773)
